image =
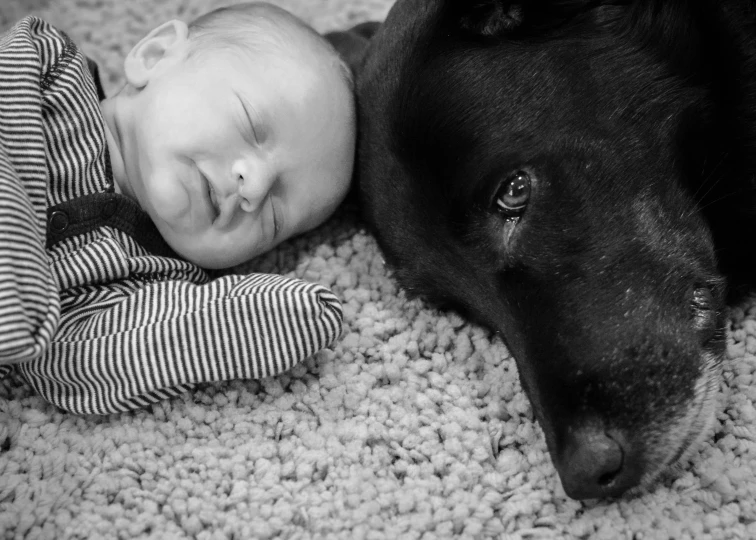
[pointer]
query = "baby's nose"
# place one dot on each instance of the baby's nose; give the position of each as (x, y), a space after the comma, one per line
(253, 181)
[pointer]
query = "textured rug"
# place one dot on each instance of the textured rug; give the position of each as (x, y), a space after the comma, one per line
(413, 426)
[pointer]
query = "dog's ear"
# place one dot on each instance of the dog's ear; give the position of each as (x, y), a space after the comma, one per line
(500, 18)
(352, 43)
(490, 17)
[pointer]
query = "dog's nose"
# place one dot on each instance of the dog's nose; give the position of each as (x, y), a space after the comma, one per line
(596, 464)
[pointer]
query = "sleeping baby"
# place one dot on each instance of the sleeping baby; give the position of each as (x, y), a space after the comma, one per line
(230, 135)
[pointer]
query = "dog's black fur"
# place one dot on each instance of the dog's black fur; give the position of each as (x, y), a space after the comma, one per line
(577, 175)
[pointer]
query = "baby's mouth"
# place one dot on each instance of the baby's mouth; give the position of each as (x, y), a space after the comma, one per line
(212, 197)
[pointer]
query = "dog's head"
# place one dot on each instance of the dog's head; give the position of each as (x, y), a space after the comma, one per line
(541, 166)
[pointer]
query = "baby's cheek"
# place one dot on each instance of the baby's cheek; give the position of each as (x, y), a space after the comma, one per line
(170, 201)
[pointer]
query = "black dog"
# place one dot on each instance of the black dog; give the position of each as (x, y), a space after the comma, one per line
(579, 177)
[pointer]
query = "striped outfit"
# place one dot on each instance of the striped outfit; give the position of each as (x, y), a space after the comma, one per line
(99, 321)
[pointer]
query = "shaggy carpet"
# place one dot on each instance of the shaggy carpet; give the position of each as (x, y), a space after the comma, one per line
(414, 425)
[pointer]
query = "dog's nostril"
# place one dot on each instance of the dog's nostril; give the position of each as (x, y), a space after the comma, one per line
(594, 464)
(607, 478)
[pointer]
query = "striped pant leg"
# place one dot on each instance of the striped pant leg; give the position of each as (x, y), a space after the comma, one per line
(162, 339)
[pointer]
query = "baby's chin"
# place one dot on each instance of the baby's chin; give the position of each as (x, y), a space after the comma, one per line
(193, 238)
(204, 250)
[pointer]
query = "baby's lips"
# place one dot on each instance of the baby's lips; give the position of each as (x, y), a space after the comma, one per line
(227, 209)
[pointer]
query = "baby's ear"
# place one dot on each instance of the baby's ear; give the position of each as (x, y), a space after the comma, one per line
(167, 42)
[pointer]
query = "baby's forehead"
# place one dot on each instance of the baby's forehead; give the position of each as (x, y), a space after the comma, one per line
(288, 52)
(266, 29)
(257, 27)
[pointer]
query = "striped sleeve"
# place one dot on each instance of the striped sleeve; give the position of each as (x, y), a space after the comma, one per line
(162, 339)
(29, 303)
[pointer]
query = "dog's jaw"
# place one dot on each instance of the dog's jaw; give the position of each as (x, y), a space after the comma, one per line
(695, 426)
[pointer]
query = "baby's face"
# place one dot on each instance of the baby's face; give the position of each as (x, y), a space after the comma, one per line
(231, 155)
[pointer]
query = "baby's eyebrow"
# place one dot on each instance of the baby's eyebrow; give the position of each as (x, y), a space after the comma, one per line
(258, 127)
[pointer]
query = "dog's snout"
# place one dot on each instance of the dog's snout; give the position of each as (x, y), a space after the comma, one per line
(596, 464)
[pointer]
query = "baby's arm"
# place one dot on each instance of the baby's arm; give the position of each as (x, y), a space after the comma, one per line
(29, 303)
(114, 353)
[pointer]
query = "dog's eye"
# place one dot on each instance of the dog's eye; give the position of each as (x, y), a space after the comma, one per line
(514, 194)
